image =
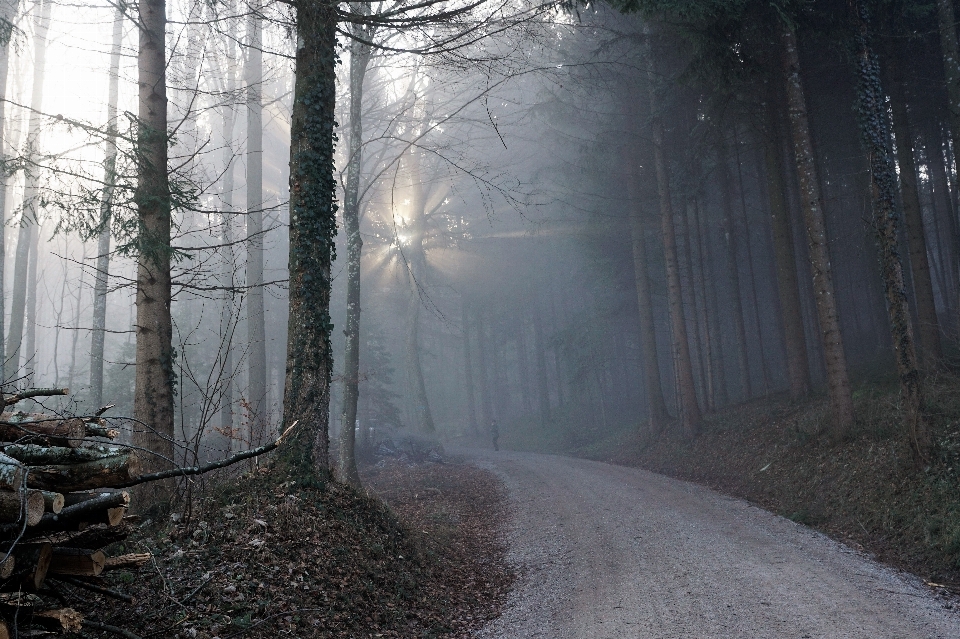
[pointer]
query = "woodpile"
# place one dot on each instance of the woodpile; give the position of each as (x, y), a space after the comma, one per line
(61, 504)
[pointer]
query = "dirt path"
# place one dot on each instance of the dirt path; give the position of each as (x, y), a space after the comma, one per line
(612, 552)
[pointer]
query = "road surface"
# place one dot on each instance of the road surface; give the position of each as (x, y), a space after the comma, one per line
(607, 552)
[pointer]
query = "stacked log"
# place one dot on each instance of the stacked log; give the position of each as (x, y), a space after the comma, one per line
(60, 507)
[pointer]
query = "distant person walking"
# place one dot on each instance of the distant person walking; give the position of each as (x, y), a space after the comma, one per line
(495, 434)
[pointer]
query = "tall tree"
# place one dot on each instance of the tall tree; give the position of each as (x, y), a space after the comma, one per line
(872, 110)
(312, 229)
(690, 415)
(155, 376)
(468, 368)
(256, 332)
(27, 236)
(788, 290)
(734, 257)
(102, 272)
(228, 117)
(838, 381)
(8, 10)
(360, 53)
(913, 216)
(656, 405)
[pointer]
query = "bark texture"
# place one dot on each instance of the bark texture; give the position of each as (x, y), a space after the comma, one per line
(154, 386)
(359, 59)
(929, 326)
(788, 285)
(312, 229)
(256, 331)
(689, 408)
(872, 110)
(656, 405)
(102, 273)
(835, 360)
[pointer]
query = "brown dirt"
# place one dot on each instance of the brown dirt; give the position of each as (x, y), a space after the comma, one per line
(271, 559)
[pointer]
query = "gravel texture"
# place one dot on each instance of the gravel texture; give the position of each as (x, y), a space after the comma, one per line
(611, 552)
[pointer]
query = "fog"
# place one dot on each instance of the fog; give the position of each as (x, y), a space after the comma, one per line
(511, 214)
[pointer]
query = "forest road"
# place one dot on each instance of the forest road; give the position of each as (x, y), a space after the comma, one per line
(606, 552)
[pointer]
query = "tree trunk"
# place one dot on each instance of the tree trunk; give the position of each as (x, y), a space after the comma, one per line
(950, 48)
(359, 60)
(943, 204)
(154, 385)
(751, 271)
(227, 309)
(256, 332)
(873, 118)
(102, 273)
(25, 236)
(8, 11)
(712, 310)
(76, 323)
(916, 239)
(656, 405)
(733, 255)
(486, 405)
(543, 387)
(416, 267)
(686, 389)
(30, 339)
(312, 229)
(468, 368)
(835, 360)
(788, 286)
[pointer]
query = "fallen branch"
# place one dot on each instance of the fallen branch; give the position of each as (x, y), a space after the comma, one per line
(34, 392)
(79, 583)
(206, 468)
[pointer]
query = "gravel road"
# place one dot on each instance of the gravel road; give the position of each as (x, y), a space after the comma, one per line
(608, 552)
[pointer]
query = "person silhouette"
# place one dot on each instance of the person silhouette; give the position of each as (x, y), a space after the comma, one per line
(495, 434)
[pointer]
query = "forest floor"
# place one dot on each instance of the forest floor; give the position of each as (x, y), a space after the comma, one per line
(267, 558)
(865, 491)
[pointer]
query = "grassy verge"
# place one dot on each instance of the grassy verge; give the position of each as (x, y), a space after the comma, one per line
(774, 452)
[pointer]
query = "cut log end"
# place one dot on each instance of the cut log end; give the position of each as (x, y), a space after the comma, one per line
(7, 566)
(53, 502)
(60, 620)
(76, 562)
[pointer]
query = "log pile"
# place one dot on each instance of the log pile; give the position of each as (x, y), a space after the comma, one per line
(60, 506)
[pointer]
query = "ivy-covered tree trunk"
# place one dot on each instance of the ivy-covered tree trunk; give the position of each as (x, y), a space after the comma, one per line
(312, 229)
(788, 286)
(154, 385)
(656, 405)
(835, 360)
(102, 273)
(929, 326)
(872, 111)
(359, 60)
(689, 408)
